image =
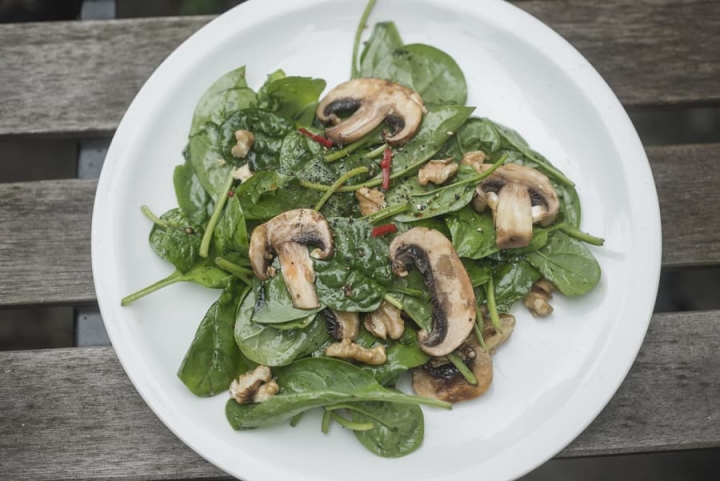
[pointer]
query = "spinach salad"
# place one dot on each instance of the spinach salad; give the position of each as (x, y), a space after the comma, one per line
(382, 229)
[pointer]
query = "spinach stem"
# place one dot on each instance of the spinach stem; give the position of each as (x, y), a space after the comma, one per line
(553, 172)
(407, 291)
(155, 219)
(471, 180)
(333, 188)
(348, 149)
(219, 206)
(296, 419)
(580, 235)
(325, 426)
(241, 273)
(386, 212)
(478, 328)
(346, 423)
(377, 152)
(176, 276)
(492, 307)
(464, 370)
(355, 71)
(395, 302)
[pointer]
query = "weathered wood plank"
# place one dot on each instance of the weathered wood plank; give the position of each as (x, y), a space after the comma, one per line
(54, 75)
(73, 414)
(45, 251)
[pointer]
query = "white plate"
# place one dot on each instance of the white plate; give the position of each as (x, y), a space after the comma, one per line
(552, 378)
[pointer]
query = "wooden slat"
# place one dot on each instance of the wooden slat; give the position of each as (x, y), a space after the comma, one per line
(73, 414)
(55, 75)
(45, 252)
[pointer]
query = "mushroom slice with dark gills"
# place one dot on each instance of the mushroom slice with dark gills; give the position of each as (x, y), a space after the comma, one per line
(288, 236)
(373, 101)
(342, 325)
(443, 381)
(453, 299)
(519, 197)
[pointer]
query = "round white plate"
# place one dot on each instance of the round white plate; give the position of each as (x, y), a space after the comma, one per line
(554, 375)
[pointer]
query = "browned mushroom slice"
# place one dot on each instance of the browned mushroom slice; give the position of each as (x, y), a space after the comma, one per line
(444, 381)
(342, 325)
(519, 196)
(492, 337)
(453, 299)
(287, 235)
(373, 101)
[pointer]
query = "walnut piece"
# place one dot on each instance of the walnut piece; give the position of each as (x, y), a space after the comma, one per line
(537, 299)
(437, 171)
(385, 321)
(254, 386)
(245, 140)
(475, 159)
(348, 350)
(242, 173)
(370, 200)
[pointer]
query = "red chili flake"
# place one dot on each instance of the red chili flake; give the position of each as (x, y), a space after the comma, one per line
(317, 138)
(231, 193)
(382, 230)
(385, 165)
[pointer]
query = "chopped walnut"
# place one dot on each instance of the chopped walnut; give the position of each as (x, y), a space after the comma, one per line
(475, 159)
(245, 140)
(386, 321)
(242, 173)
(537, 299)
(371, 200)
(437, 171)
(254, 386)
(348, 350)
(492, 337)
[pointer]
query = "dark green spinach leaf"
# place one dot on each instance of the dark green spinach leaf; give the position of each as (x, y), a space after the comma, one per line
(231, 233)
(294, 97)
(384, 40)
(177, 241)
(398, 431)
(513, 281)
(273, 304)
(269, 129)
(229, 93)
(267, 194)
(192, 199)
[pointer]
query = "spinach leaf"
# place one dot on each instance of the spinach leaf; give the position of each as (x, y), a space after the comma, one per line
(315, 382)
(213, 359)
(473, 233)
(384, 40)
(479, 274)
(567, 263)
(269, 129)
(177, 241)
(475, 134)
(267, 194)
(430, 200)
(294, 97)
(297, 152)
(402, 356)
(207, 160)
(273, 304)
(439, 124)
(352, 280)
(231, 233)
(276, 75)
(429, 71)
(301, 323)
(513, 281)
(192, 199)
(275, 347)
(227, 94)
(398, 431)
(570, 209)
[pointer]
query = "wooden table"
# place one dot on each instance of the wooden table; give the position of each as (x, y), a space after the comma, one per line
(73, 414)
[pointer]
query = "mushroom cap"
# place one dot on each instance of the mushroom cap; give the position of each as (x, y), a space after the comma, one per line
(260, 253)
(453, 298)
(374, 100)
(544, 199)
(445, 382)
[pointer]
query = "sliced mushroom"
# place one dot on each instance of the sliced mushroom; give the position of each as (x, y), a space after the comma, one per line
(287, 236)
(453, 299)
(538, 299)
(492, 337)
(373, 100)
(519, 196)
(342, 325)
(444, 382)
(386, 321)
(437, 171)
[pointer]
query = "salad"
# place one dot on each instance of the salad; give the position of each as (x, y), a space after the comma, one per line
(358, 234)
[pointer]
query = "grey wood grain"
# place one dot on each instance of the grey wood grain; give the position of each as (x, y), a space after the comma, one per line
(73, 414)
(45, 251)
(55, 76)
